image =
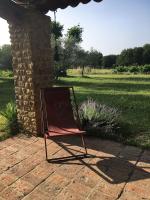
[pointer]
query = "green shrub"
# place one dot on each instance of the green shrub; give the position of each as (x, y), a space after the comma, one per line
(104, 121)
(146, 69)
(134, 69)
(121, 69)
(6, 73)
(10, 114)
(96, 116)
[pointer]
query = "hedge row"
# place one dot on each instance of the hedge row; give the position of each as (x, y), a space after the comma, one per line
(132, 69)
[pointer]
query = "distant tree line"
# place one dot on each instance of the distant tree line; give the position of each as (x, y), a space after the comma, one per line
(68, 52)
(135, 56)
(71, 55)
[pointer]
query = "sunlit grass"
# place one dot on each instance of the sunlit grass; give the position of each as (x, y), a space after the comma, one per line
(129, 93)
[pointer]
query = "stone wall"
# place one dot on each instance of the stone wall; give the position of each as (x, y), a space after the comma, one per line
(32, 64)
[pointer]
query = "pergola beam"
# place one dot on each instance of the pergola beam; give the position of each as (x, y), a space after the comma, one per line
(10, 11)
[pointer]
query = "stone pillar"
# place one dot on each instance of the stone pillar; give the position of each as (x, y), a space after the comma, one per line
(32, 64)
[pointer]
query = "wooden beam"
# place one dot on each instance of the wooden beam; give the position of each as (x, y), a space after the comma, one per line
(11, 12)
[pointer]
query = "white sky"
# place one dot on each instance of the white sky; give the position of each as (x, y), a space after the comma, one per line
(4, 32)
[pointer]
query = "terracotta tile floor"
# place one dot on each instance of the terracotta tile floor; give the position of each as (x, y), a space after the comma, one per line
(111, 171)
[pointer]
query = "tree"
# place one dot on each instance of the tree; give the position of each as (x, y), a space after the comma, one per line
(146, 54)
(82, 59)
(95, 58)
(138, 56)
(109, 61)
(56, 45)
(57, 29)
(126, 57)
(135, 56)
(56, 34)
(75, 33)
(71, 45)
(6, 57)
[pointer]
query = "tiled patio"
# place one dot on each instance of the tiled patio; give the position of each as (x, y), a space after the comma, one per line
(112, 171)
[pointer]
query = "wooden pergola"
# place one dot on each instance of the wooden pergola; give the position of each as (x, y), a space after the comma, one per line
(32, 55)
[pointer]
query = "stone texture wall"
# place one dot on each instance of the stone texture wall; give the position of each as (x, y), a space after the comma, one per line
(32, 64)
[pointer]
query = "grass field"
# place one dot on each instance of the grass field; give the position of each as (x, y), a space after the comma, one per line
(129, 93)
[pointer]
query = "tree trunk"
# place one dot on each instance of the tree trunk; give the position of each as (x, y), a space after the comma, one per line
(82, 73)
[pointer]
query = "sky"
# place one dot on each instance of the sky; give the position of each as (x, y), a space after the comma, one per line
(109, 26)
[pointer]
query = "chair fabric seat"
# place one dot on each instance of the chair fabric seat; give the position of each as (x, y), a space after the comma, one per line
(57, 131)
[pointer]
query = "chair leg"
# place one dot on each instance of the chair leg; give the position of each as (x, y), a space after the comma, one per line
(45, 147)
(84, 145)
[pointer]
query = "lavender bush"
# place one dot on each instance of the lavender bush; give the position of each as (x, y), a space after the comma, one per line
(98, 116)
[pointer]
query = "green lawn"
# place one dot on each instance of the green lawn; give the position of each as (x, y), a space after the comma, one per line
(129, 93)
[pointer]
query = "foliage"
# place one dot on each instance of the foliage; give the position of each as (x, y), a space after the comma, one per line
(6, 57)
(7, 92)
(120, 69)
(103, 120)
(135, 56)
(6, 73)
(146, 54)
(138, 55)
(132, 69)
(10, 114)
(94, 58)
(6, 95)
(57, 29)
(99, 116)
(71, 46)
(68, 52)
(81, 57)
(126, 57)
(146, 69)
(109, 61)
(75, 33)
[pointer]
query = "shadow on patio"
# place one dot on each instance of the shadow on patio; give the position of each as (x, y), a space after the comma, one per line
(111, 170)
(117, 168)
